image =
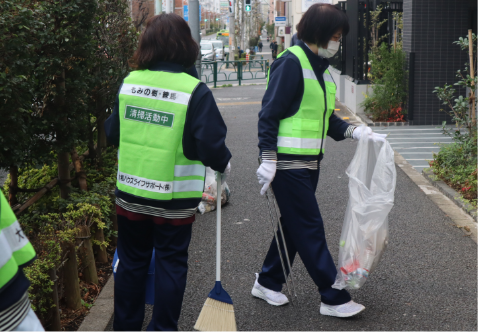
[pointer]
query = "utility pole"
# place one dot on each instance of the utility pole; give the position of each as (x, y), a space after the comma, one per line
(194, 26)
(232, 29)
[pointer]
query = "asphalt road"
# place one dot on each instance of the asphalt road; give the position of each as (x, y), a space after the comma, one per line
(427, 279)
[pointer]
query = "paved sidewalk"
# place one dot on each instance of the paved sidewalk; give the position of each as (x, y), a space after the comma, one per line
(427, 279)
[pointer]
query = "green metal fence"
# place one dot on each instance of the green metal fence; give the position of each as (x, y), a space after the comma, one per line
(238, 70)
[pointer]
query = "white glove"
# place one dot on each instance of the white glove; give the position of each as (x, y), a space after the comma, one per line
(363, 130)
(266, 173)
(226, 173)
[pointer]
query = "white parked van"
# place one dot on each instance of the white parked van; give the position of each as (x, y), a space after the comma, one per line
(208, 51)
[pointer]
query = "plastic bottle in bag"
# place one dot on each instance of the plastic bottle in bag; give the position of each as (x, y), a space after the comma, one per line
(209, 196)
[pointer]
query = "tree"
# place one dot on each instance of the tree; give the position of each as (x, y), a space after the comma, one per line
(115, 40)
(19, 120)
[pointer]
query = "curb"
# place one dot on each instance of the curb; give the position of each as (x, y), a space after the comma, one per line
(461, 219)
(365, 119)
(449, 192)
(370, 123)
(347, 115)
(102, 311)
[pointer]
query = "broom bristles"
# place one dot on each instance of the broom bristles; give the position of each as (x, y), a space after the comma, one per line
(216, 316)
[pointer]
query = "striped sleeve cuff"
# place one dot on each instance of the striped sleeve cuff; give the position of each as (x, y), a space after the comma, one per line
(349, 131)
(269, 155)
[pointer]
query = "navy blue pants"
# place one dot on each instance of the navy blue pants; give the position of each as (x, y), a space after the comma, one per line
(304, 234)
(136, 240)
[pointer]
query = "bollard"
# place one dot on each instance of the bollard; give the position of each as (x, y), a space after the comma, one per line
(215, 73)
(239, 71)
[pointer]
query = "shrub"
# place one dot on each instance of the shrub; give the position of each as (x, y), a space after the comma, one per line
(456, 163)
(253, 41)
(389, 94)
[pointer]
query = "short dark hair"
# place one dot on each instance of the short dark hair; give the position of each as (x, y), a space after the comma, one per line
(320, 22)
(167, 37)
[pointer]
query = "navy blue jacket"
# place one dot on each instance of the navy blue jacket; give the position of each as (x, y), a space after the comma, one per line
(203, 138)
(283, 97)
(14, 291)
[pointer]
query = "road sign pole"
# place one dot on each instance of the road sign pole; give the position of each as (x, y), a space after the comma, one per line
(193, 16)
(232, 31)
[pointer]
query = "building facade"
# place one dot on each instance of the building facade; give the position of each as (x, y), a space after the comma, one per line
(429, 30)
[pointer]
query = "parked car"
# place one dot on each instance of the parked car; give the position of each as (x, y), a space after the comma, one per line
(208, 51)
(219, 47)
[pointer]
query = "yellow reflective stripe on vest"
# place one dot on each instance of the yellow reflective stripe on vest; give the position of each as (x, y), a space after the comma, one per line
(15, 236)
(308, 73)
(5, 250)
(163, 187)
(155, 93)
(299, 143)
(189, 170)
(328, 77)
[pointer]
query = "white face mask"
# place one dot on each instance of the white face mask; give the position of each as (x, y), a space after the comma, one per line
(332, 49)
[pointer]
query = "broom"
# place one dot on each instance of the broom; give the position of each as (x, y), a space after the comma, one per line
(217, 314)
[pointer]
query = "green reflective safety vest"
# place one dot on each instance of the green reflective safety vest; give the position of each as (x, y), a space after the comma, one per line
(152, 109)
(305, 132)
(15, 249)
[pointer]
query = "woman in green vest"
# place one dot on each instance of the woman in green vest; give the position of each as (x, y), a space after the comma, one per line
(297, 116)
(16, 252)
(168, 129)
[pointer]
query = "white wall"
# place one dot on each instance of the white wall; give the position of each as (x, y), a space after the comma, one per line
(355, 94)
(339, 82)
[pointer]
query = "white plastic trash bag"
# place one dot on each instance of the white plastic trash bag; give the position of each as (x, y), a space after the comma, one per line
(208, 202)
(372, 177)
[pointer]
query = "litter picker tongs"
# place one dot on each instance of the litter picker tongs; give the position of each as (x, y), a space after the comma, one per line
(271, 203)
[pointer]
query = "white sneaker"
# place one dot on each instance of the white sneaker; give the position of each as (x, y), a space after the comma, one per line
(270, 296)
(348, 309)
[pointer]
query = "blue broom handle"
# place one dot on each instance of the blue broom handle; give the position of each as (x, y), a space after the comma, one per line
(218, 227)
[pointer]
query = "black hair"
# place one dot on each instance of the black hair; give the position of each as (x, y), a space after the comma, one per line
(167, 37)
(320, 22)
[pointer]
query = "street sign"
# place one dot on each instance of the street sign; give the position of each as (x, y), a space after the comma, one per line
(280, 21)
(186, 13)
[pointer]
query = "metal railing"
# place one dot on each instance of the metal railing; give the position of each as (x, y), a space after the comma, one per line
(231, 71)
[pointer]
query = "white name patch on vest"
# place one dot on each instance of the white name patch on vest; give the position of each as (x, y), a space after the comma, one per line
(155, 93)
(145, 184)
(146, 115)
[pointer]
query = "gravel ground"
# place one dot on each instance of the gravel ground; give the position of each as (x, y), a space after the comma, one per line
(427, 278)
